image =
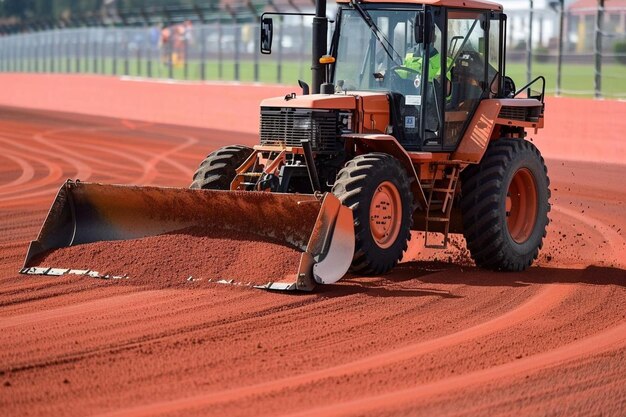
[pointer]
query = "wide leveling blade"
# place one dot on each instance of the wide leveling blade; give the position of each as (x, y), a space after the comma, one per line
(320, 227)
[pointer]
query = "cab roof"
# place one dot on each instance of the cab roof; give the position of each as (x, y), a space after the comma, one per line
(461, 4)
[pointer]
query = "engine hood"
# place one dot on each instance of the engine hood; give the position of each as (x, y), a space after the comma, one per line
(339, 101)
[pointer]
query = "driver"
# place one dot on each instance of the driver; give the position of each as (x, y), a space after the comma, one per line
(414, 58)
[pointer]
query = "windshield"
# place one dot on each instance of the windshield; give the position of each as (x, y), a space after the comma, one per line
(365, 56)
(433, 88)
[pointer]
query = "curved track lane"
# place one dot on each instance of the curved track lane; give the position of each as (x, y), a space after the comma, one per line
(433, 338)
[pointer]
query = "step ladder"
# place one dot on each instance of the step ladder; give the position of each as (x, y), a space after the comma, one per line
(440, 199)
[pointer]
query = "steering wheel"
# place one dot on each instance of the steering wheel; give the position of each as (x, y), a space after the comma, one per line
(407, 83)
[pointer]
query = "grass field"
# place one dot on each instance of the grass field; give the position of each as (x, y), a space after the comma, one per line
(577, 79)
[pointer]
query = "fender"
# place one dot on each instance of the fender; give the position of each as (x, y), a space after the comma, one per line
(485, 126)
(375, 142)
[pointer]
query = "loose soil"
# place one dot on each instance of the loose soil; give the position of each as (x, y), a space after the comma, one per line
(436, 337)
(190, 255)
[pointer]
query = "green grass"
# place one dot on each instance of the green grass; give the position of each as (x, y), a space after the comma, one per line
(577, 79)
(267, 69)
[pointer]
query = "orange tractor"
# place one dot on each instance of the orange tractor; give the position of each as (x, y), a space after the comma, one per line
(412, 125)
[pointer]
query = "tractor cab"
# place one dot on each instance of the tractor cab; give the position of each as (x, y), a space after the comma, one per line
(435, 63)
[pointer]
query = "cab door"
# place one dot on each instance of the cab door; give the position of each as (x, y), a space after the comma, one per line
(434, 81)
(467, 55)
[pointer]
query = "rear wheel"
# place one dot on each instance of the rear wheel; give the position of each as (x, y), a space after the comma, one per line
(505, 205)
(218, 169)
(376, 187)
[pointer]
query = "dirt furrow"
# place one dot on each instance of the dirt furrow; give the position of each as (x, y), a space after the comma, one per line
(438, 336)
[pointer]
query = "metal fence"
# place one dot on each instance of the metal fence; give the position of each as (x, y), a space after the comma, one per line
(581, 51)
(577, 50)
(200, 52)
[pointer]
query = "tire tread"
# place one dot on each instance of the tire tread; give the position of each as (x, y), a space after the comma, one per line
(217, 170)
(350, 187)
(481, 190)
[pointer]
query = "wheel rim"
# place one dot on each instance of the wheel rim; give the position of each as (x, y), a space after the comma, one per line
(521, 205)
(385, 214)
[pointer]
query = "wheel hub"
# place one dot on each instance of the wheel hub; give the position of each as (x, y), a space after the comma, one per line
(385, 214)
(521, 205)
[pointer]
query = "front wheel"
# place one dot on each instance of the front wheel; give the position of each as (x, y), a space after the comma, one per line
(218, 169)
(505, 205)
(377, 189)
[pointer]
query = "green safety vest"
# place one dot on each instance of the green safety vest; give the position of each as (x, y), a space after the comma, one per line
(434, 64)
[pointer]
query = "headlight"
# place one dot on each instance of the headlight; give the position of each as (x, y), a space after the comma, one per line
(345, 121)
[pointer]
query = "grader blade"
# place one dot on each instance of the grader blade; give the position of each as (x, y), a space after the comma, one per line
(320, 227)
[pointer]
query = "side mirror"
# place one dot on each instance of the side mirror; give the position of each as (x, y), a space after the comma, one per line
(267, 33)
(423, 29)
(418, 28)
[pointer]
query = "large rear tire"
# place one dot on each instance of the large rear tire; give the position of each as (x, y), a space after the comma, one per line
(505, 205)
(218, 169)
(377, 189)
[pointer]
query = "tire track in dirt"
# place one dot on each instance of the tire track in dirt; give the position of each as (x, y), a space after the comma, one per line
(78, 161)
(103, 163)
(80, 308)
(29, 155)
(159, 301)
(149, 175)
(73, 158)
(42, 186)
(26, 170)
(616, 243)
(199, 349)
(129, 153)
(611, 339)
(547, 298)
(138, 149)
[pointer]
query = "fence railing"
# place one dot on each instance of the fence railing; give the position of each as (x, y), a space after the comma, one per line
(577, 50)
(202, 52)
(583, 61)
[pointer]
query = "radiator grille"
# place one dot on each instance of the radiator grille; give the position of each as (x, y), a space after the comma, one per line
(289, 127)
(513, 113)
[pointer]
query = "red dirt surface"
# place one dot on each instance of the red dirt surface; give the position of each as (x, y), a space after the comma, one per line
(190, 255)
(431, 338)
(570, 133)
(185, 103)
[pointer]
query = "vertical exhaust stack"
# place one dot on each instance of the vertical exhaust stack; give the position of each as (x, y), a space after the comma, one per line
(320, 33)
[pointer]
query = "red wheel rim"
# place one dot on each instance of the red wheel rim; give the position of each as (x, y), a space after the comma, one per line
(385, 214)
(521, 205)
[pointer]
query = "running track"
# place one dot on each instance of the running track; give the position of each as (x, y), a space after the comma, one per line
(432, 338)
